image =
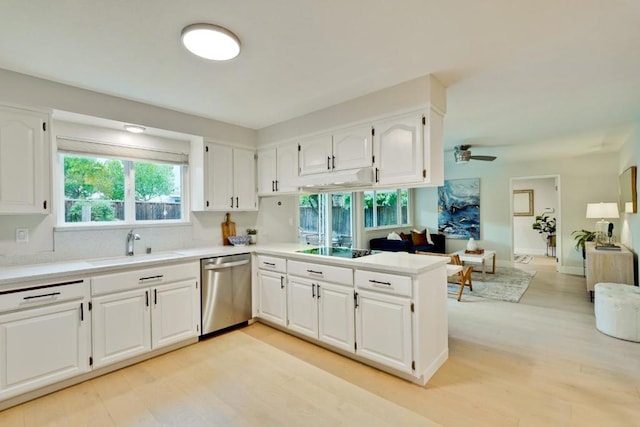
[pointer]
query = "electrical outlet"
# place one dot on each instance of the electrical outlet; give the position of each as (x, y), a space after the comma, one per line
(22, 235)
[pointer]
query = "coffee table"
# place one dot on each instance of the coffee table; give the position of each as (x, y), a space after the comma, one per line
(480, 259)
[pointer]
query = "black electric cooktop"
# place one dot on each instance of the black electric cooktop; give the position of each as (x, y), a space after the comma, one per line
(338, 252)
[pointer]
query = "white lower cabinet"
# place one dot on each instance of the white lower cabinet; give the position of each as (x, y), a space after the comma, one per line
(128, 323)
(46, 340)
(121, 326)
(383, 329)
(272, 301)
(174, 315)
(322, 311)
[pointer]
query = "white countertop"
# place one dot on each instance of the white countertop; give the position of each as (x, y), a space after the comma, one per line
(394, 262)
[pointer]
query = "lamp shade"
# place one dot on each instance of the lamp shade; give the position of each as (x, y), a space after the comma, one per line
(602, 210)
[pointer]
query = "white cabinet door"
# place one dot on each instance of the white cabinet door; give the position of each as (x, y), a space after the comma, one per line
(273, 297)
(219, 177)
(24, 162)
(244, 179)
(267, 171)
(174, 313)
(121, 326)
(383, 329)
(352, 148)
(315, 155)
(336, 315)
(42, 346)
(302, 307)
(287, 168)
(434, 148)
(398, 149)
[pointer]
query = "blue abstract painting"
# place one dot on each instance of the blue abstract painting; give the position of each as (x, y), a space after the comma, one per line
(459, 208)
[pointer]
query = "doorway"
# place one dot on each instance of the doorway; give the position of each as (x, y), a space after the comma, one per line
(532, 197)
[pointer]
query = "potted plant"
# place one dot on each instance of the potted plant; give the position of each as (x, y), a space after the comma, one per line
(253, 234)
(546, 225)
(582, 237)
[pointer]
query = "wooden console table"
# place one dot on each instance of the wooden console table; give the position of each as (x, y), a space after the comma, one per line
(607, 266)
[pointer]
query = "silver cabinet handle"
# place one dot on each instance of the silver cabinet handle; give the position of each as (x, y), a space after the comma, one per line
(214, 266)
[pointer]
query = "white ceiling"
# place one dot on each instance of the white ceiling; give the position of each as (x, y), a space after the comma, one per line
(519, 72)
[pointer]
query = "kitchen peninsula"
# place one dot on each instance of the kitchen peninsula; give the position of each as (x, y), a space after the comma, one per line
(387, 310)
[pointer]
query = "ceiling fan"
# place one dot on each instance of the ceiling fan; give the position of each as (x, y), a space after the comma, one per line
(463, 155)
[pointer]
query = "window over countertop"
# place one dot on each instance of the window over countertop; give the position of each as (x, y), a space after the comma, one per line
(105, 184)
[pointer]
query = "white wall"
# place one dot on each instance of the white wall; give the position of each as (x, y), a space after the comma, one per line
(24, 90)
(582, 180)
(630, 222)
(526, 240)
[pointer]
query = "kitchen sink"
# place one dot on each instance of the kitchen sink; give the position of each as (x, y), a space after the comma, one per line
(128, 260)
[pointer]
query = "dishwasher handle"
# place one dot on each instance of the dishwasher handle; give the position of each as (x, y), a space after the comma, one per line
(214, 266)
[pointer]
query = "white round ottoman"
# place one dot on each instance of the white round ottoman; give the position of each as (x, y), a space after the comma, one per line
(617, 309)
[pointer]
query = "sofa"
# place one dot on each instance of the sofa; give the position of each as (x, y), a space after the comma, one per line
(406, 245)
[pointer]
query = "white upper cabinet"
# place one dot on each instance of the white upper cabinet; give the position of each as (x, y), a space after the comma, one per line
(276, 169)
(230, 178)
(352, 148)
(434, 148)
(346, 149)
(25, 154)
(398, 147)
(315, 155)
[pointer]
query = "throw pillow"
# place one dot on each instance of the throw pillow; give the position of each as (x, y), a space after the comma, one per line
(405, 236)
(424, 237)
(418, 238)
(393, 236)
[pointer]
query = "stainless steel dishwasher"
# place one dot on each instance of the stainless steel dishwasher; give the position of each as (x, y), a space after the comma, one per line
(226, 291)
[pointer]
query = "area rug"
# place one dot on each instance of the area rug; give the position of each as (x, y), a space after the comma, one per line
(522, 259)
(507, 284)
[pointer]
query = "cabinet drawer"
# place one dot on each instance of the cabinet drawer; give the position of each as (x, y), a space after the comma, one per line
(43, 295)
(327, 273)
(152, 276)
(382, 282)
(272, 263)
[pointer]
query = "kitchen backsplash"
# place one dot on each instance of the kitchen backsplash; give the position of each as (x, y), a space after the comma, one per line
(274, 222)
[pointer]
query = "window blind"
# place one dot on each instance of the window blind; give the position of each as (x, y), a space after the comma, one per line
(105, 149)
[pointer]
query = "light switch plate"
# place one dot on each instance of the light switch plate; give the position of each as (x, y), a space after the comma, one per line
(22, 235)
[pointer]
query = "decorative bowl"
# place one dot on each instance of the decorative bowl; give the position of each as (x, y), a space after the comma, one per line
(239, 240)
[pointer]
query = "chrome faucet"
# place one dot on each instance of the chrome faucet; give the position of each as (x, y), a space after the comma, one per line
(131, 237)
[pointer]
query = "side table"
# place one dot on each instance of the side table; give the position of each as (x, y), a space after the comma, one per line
(480, 259)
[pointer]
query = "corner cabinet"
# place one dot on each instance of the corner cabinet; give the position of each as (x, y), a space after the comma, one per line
(272, 293)
(276, 169)
(230, 178)
(25, 157)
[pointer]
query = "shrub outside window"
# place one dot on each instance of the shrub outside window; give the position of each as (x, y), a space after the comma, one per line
(386, 208)
(96, 190)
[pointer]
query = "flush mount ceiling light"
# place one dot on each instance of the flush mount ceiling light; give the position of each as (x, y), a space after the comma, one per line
(211, 42)
(134, 128)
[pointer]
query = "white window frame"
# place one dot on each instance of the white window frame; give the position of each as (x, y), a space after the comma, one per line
(398, 210)
(129, 198)
(326, 217)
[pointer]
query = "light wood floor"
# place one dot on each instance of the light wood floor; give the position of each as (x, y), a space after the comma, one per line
(537, 363)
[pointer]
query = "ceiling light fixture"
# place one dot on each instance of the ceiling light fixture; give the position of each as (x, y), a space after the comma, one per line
(134, 128)
(211, 42)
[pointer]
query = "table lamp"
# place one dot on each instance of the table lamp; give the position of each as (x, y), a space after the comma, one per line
(602, 210)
